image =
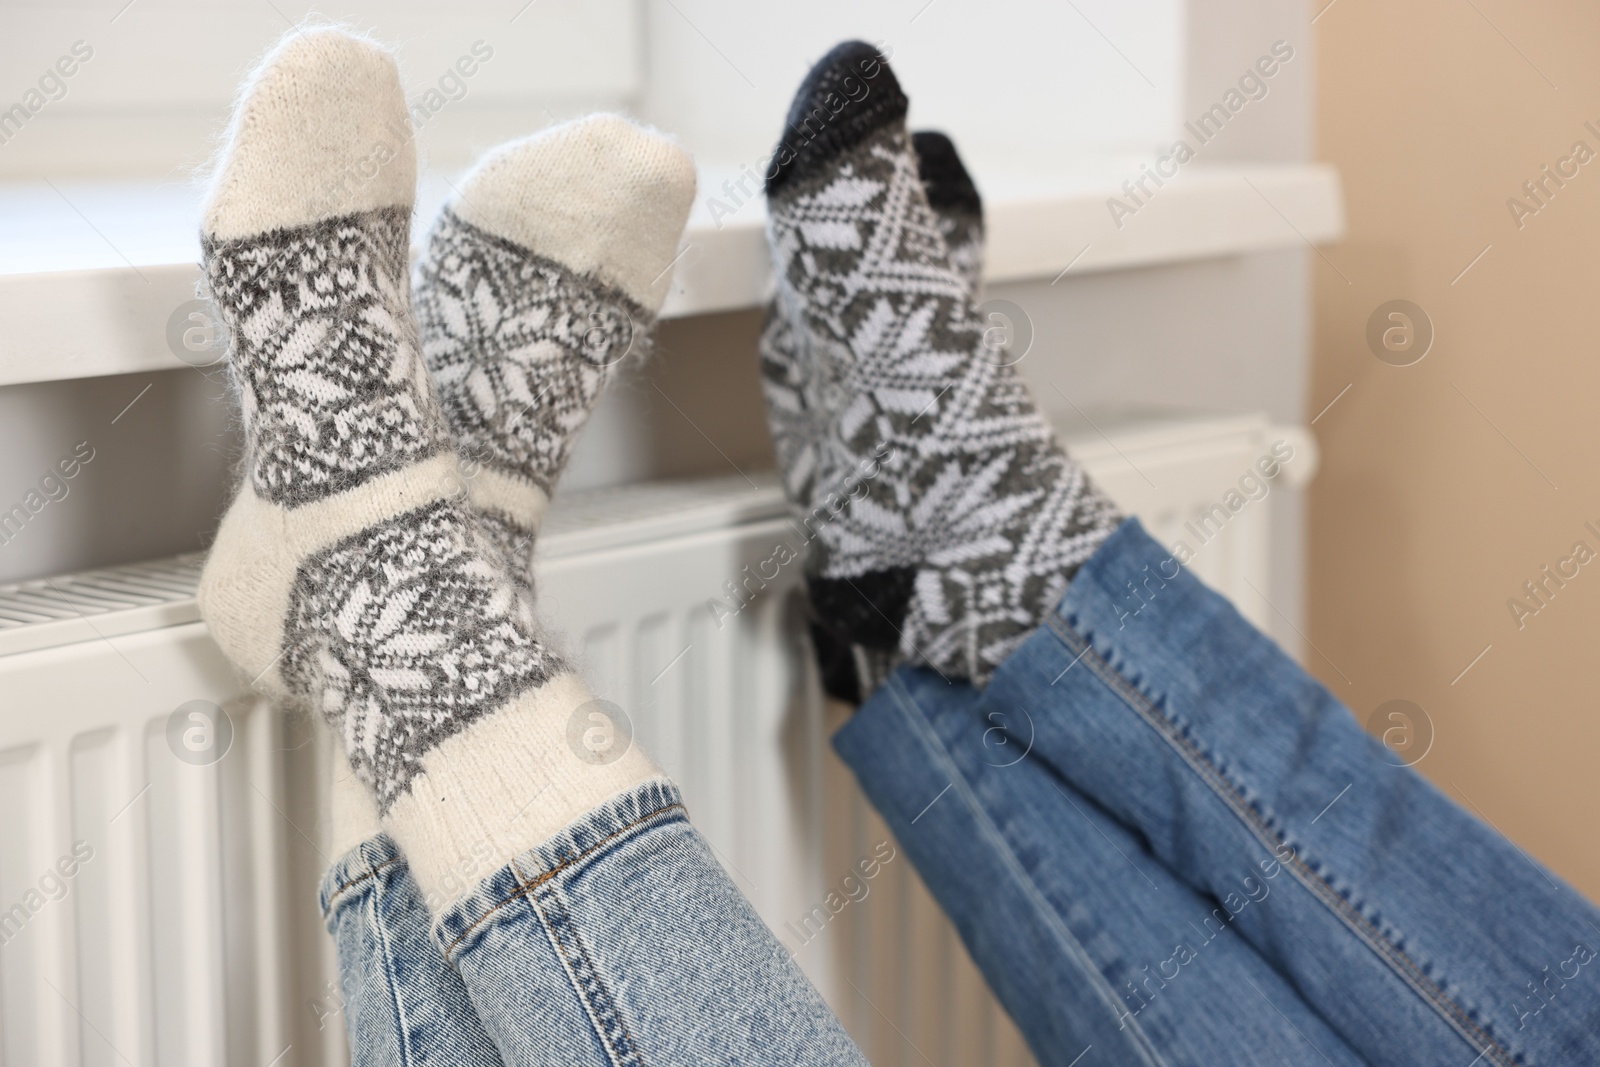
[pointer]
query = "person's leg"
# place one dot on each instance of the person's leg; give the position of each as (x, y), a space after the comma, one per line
(557, 919)
(402, 1004)
(1087, 940)
(1422, 935)
(539, 278)
(1405, 920)
(629, 909)
(352, 575)
(561, 968)
(944, 519)
(519, 348)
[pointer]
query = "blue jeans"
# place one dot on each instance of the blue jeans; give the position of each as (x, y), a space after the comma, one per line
(1161, 839)
(620, 941)
(401, 1002)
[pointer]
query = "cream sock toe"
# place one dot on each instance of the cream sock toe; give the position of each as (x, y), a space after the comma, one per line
(601, 195)
(321, 130)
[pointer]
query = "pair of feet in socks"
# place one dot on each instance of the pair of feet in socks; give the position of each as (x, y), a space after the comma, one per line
(944, 518)
(359, 574)
(401, 445)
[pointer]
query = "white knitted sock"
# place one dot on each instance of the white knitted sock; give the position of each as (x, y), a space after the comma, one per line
(350, 573)
(543, 273)
(539, 277)
(352, 811)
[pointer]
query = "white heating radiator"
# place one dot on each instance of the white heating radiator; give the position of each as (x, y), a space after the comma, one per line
(158, 910)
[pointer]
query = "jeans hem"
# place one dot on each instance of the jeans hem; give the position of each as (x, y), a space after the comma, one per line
(534, 879)
(632, 811)
(364, 861)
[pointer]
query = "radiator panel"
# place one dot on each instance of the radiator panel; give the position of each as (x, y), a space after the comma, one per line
(190, 934)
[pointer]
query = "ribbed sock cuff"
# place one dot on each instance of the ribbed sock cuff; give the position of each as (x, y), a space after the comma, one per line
(509, 781)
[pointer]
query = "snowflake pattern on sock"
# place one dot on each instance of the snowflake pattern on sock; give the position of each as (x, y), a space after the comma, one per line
(519, 346)
(976, 494)
(404, 634)
(513, 542)
(796, 427)
(331, 386)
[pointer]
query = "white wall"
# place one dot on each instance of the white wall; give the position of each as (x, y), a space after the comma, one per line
(1036, 79)
(164, 72)
(1026, 77)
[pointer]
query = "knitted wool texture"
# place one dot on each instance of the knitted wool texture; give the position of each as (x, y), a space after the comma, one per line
(971, 519)
(539, 278)
(350, 573)
(797, 429)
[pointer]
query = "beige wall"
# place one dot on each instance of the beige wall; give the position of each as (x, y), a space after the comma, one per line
(1447, 484)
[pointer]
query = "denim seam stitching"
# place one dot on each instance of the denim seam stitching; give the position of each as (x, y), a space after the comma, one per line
(1404, 966)
(371, 872)
(941, 756)
(599, 1004)
(524, 887)
(400, 1016)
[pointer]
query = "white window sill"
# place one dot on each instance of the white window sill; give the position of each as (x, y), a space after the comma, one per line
(91, 272)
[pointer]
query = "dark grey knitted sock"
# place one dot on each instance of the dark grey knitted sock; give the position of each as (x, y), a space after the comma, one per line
(945, 521)
(954, 199)
(797, 428)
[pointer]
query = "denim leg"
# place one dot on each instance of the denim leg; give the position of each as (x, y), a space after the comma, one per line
(1088, 941)
(402, 1004)
(621, 941)
(1421, 934)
